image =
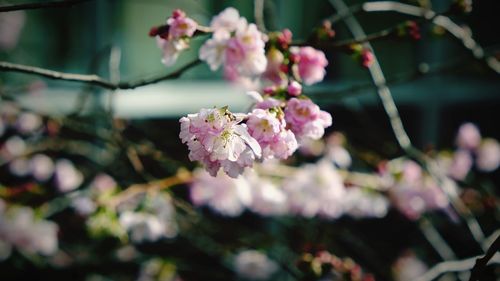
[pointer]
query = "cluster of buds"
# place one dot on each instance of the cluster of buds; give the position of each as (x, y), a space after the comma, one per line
(326, 266)
(287, 63)
(409, 28)
(324, 32)
(462, 6)
(364, 56)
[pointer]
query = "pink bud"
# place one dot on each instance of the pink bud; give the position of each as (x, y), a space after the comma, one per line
(294, 89)
(367, 58)
(285, 38)
(269, 90)
(177, 13)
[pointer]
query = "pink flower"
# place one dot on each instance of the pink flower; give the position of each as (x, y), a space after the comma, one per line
(311, 64)
(215, 138)
(269, 129)
(468, 136)
(268, 103)
(180, 25)
(294, 89)
(461, 165)
(414, 193)
(176, 38)
(367, 58)
(245, 52)
(237, 45)
(305, 119)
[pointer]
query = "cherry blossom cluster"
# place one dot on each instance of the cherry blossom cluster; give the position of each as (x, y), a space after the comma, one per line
(236, 45)
(272, 130)
(312, 190)
(174, 37)
(282, 118)
(412, 191)
(20, 229)
(18, 130)
(288, 64)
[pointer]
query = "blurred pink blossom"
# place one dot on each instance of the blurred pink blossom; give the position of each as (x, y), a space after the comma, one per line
(225, 195)
(311, 64)
(305, 119)
(468, 136)
(11, 25)
(488, 155)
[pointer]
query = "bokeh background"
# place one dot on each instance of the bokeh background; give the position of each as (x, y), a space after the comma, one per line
(437, 85)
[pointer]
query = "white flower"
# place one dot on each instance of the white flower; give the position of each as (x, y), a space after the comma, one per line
(155, 221)
(67, 177)
(408, 267)
(28, 122)
(267, 198)
(19, 167)
(316, 190)
(253, 265)
(142, 226)
(227, 21)
(225, 195)
(42, 167)
(171, 49)
(361, 204)
(19, 228)
(488, 155)
(213, 51)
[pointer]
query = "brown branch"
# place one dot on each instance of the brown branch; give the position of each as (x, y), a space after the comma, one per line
(91, 78)
(41, 5)
(183, 176)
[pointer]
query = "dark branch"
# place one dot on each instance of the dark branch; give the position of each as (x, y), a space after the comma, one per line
(92, 79)
(481, 263)
(40, 5)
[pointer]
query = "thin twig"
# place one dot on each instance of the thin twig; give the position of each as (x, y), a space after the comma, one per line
(452, 266)
(41, 5)
(439, 19)
(258, 11)
(447, 185)
(348, 42)
(92, 78)
(436, 240)
(182, 176)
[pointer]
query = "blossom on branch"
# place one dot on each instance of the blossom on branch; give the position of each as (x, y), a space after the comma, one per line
(268, 127)
(235, 44)
(305, 119)
(217, 138)
(310, 63)
(174, 37)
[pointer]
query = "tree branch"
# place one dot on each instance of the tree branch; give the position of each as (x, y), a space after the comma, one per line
(447, 185)
(91, 78)
(41, 5)
(481, 263)
(438, 19)
(451, 266)
(258, 11)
